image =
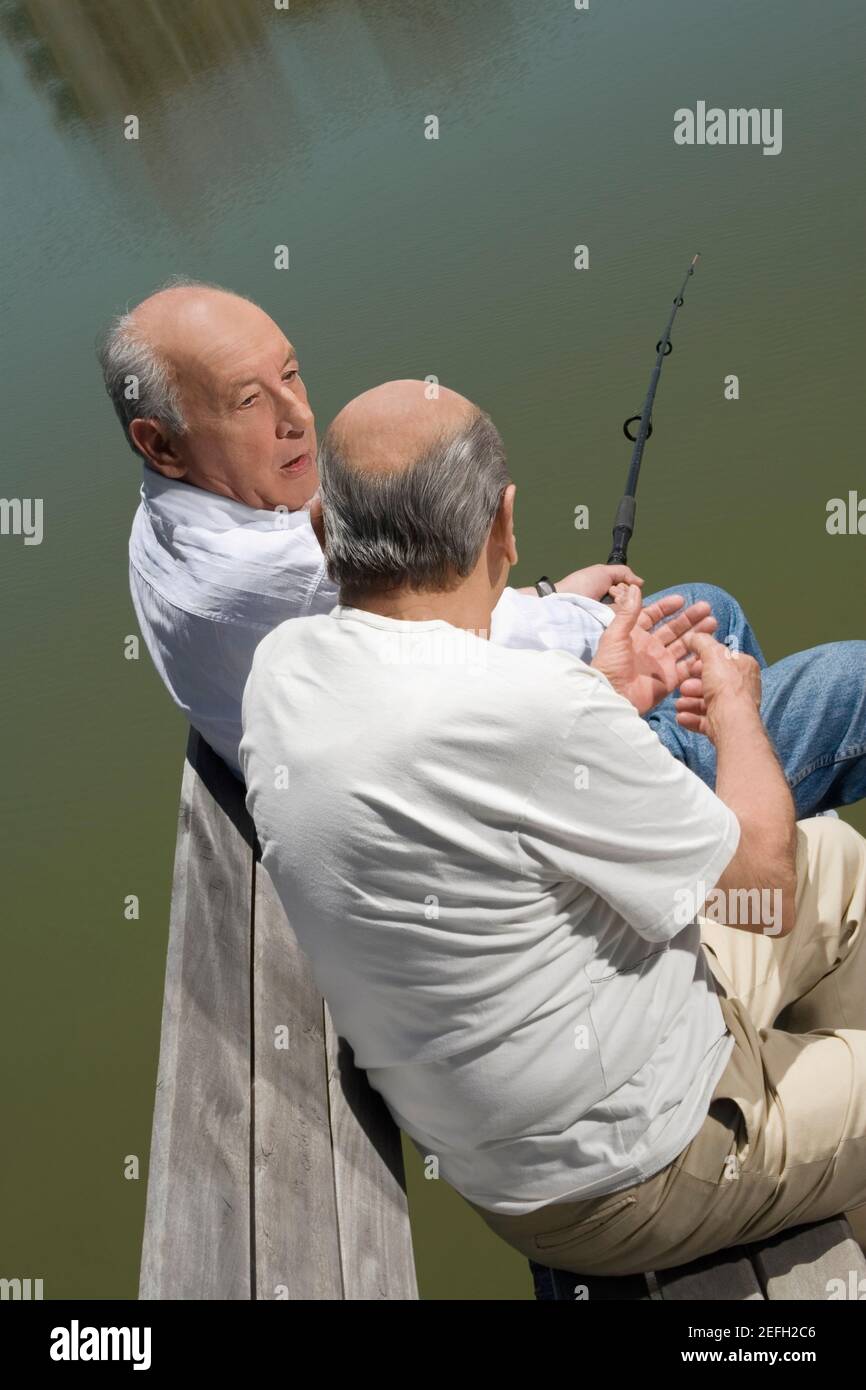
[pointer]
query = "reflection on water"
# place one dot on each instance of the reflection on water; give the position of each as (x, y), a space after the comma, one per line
(96, 59)
(93, 59)
(258, 75)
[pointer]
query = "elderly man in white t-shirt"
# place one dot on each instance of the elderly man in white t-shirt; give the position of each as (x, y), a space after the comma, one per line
(495, 868)
(209, 392)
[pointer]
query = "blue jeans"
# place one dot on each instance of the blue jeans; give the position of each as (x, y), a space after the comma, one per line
(813, 707)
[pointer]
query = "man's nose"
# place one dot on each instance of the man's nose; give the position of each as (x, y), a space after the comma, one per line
(296, 416)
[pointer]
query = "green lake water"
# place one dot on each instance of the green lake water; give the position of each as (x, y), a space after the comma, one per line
(408, 257)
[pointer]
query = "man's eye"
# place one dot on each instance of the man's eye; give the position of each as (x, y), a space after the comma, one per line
(290, 375)
(249, 401)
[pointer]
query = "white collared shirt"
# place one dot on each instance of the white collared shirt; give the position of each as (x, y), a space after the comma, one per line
(210, 577)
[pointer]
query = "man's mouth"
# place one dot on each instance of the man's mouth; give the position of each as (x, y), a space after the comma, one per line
(299, 464)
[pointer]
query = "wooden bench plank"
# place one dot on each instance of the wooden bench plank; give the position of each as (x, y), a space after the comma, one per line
(275, 1172)
(799, 1263)
(197, 1233)
(369, 1182)
(297, 1237)
(724, 1275)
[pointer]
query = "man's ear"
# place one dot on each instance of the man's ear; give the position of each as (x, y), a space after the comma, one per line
(505, 523)
(158, 448)
(317, 520)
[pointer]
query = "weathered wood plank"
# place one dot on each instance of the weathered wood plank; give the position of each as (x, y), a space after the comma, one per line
(297, 1237)
(799, 1263)
(724, 1275)
(197, 1224)
(274, 1172)
(369, 1182)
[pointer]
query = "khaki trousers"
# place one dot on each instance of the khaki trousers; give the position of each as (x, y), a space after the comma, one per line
(784, 1141)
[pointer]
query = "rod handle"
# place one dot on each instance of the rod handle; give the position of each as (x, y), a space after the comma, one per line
(623, 527)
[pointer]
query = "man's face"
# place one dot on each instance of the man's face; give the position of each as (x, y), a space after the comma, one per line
(250, 431)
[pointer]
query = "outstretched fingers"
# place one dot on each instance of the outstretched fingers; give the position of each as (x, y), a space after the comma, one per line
(662, 608)
(685, 620)
(676, 643)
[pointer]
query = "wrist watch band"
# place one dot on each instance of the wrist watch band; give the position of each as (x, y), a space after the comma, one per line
(545, 586)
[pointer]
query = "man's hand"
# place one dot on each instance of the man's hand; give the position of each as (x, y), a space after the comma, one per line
(593, 582)
(718, 679)
(642, 665)
(722, 698)
(596, 580)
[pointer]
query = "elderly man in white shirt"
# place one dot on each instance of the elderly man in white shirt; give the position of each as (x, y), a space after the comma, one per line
(209, 392)
(495, 866)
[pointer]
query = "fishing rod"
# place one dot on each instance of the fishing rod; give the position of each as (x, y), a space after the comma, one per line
(623, 525)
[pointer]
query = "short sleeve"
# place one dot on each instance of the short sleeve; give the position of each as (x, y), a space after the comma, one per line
(614, 810)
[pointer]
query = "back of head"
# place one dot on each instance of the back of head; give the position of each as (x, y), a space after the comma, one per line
(410, 487)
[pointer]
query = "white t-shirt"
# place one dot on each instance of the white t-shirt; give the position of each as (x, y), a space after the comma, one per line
(210, 577)
(482, 851)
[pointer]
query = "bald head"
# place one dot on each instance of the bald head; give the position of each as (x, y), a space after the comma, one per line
(412, 479)
(172, 313)
(195, 330)
(208, 390)
(183, 304)
(391, 426)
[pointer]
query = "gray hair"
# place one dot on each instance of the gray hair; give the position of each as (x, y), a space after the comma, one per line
(140, 380)
(423, 526)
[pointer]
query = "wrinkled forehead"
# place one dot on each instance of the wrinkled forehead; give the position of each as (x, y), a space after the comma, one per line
(218, 343)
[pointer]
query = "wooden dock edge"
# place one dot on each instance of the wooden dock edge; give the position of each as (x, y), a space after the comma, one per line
(275, 1170)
